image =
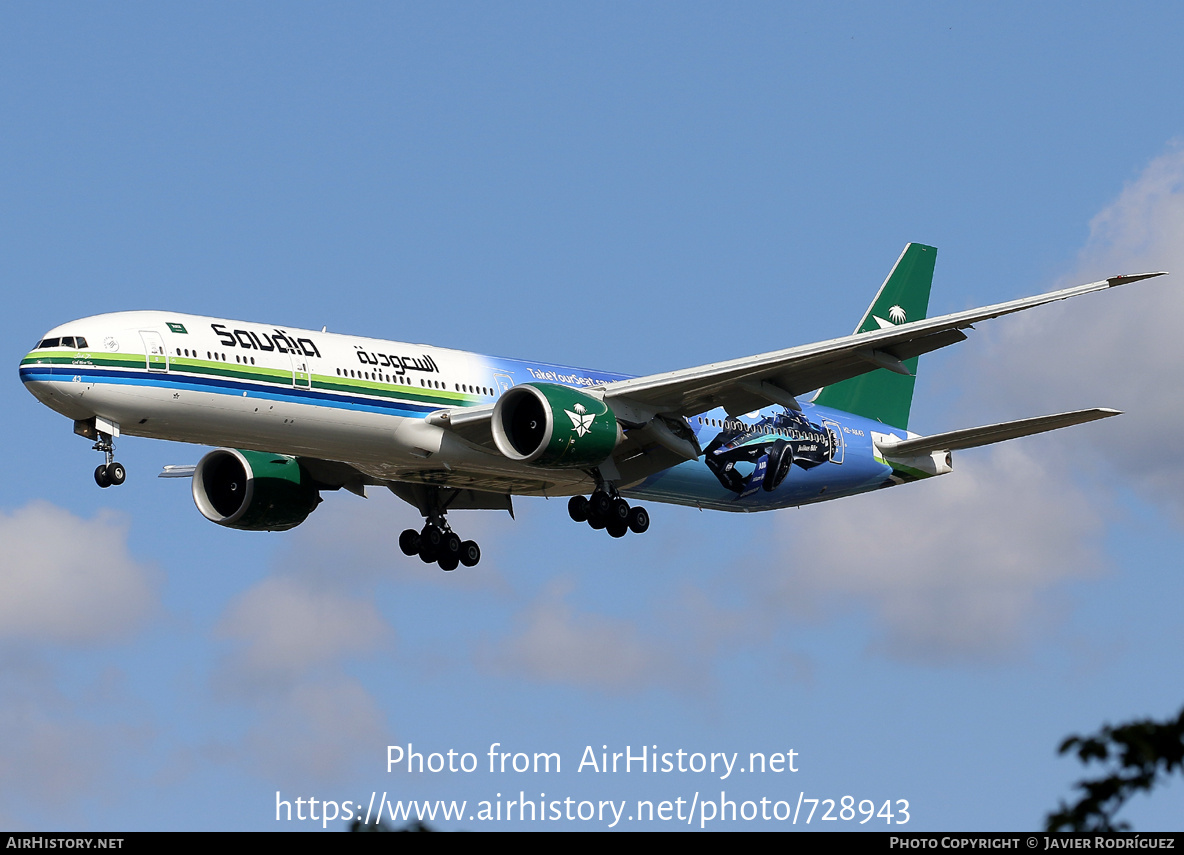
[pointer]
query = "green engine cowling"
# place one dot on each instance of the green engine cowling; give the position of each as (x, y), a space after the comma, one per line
(558, 427)
(253, 491)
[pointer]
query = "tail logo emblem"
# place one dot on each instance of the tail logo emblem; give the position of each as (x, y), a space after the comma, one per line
(895, 316)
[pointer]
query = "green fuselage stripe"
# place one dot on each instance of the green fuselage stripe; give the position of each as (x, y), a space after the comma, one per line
(258, 374)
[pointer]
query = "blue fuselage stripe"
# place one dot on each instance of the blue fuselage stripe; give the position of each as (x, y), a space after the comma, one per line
(215, 385)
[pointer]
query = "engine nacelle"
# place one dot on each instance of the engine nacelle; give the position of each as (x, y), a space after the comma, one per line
(252, 490)
(558, 427)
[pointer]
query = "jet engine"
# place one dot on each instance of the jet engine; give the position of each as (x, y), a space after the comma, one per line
(554, 426)
(253, 491)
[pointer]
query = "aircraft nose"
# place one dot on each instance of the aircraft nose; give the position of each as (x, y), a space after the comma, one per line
(33, 364)
(50, 377)
(38, 374)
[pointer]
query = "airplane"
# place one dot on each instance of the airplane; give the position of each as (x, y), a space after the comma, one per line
(294, 413)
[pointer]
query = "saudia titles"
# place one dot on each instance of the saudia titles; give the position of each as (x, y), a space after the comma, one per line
(276, 340)
(279, 340)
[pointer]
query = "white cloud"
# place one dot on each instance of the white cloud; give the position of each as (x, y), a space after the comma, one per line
(952, 569)
(287, 627)
(1121, 348)
(1144, 223)
(54, 752)
(65, 580)
(68, 579)
(292, 638)
(556, 644)
(316, 731)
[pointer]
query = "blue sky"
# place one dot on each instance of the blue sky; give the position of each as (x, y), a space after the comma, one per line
(634, 188)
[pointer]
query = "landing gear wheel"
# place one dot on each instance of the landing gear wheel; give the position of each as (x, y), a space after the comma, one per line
(617, 529)
(597, 523)
(600, 504)
(110, 473)
(639, 520)
(577, 508)
(470, 553)
(409, 542)
(432, 535)
(436, 542)
(620, 511)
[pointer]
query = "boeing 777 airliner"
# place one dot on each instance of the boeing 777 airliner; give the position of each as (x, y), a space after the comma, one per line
(297, 412)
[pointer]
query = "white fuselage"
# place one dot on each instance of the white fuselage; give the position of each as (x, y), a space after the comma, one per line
(362, 402)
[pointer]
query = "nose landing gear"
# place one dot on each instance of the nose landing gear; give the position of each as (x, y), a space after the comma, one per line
(110, 473)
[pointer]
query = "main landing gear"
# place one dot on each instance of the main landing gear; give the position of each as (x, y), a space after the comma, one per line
(110, 473)
(440, 544)
(605, 509)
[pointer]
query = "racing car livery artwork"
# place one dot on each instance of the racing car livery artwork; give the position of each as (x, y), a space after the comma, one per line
(771, 445)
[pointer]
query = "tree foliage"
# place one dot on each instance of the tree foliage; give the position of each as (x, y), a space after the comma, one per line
(1138, 754)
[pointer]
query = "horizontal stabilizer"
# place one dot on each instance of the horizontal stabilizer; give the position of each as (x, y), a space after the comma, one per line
(988, 434)
(175, 471)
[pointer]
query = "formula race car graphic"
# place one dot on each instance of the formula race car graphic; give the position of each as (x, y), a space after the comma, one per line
(773, 444)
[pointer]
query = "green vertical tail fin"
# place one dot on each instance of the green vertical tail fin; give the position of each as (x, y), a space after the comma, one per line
(882, 394)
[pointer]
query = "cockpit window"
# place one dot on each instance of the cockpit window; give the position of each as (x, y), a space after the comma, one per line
(64, 341)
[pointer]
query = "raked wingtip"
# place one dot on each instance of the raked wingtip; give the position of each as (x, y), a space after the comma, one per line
(1115, 281)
